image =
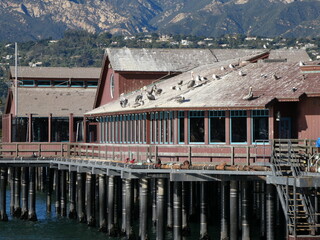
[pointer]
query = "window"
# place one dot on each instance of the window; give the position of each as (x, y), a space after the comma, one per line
(27, 83)
(112, 85)
(76, 83)
(44, 83)
(60, 130)
(181, 126)
(196, 126)
(20, 129)
(260, 125)
(61, 83)
(92, 83)
(217, 123)
(238, 126)
(39, 129)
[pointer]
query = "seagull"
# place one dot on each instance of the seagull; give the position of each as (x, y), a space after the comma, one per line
(158, 91)
(149, 160)
(138, 98)
(301, 63)
(241, 73)
(123, 101)
(180, 83)
(249, 96)
(198, 78)
(151, 97)
(294, 89)
(276, 77)
(222, 68)
(215, 77)
(180, 99)
(203, 78)
(231, 66)
(191, 83)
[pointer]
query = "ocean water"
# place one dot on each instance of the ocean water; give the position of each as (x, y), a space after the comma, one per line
(50, 227)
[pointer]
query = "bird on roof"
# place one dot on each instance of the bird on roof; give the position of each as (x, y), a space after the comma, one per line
(203, 79)
(215, 77)
(241, 73)
(276, 77)
(222, 68)
(180, 83)
(151, 97)
(158, 91)
(294, 89)
(180, 99)
(249, 96)
(138, 98)
(123, 101)
(231, 66)
(301, 63)
(191, 83)
(149, 160)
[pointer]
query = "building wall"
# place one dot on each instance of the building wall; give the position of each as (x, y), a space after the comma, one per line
(106, 93)
(308, 120)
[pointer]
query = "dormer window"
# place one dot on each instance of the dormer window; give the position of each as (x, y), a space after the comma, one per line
(112, 85)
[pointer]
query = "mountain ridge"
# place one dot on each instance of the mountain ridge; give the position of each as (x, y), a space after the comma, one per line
(22, 20)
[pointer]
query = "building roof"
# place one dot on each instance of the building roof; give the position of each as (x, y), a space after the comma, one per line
(291, 55)
(58, 101)
(56, 72)
(269, 81)
(174, 60)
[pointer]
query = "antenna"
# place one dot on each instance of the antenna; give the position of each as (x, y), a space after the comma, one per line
(16, 80)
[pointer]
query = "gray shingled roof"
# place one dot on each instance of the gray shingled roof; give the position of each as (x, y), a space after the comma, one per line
(175, 60)
(55, 72)
(58, 101)
(292, 55)
(229, 90)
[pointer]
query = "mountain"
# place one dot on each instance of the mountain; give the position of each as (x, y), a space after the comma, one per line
(22, 20)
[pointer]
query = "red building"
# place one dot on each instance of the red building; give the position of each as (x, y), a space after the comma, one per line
(49, 104)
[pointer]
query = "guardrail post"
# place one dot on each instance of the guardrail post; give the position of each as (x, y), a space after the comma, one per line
(248, 155)
(189, 154)
(232, 155)
(39, 150)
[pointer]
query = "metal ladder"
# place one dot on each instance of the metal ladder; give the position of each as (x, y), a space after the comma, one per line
(296, 203)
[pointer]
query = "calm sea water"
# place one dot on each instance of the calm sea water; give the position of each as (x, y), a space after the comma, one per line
(51, 226)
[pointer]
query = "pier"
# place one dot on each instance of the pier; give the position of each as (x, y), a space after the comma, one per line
(271, 186)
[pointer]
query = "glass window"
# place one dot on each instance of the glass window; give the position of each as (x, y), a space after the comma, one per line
(61, 83)
(60, 130)
(181, 127)
(40, 129)
(260, 125)
(111, 85)
(92, 83)
(76, 83)
(196, 126)
(217, 123)
(238, 126)
(28, 83)
(44, 83)
(20, 129)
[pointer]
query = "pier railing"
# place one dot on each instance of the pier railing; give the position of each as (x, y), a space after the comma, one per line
(228, 154)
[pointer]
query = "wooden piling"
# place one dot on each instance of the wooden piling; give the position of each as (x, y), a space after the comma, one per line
(245, 211)
(12, 188)
(3, 189)
(184, 200)
(111, 227)
(177, 213)
(49, 185)
(102, 203)
(72, 194)
(224, 203)
(123, 206)
(57, 180)
(203, 212)
(129, 229)
(63, 195)
(32, 195)
(17, 193)
(90, 196)
(143, 208)
(169, 205)
(233, 210)
(160, 208)
(81, 197)
(24, 192)
(270, 214)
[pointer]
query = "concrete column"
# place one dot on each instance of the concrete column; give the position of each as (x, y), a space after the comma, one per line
(3, 189)
(102, 203)
(63, 199)
(143, 208)
(32, 194)
(245, 212)
(12, 188)
(270, 214)
(72, 193)
(154, 200)
(81, 197)
(177, 213)
(233, 210)
(17, 186)
(160, 208)
(24, 192)
(224, 222)
(203, 212)
(184, 200)
(262, 210)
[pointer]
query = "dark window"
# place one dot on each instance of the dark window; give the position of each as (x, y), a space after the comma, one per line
(238, 126)
(61, 83)
(60, 130)
(111, 85)
(44, 83)
(260, 125)
(20, 130)
(78, 129)
(28, 83)
(181, 127)
(217, 126)
(76, 83)
(196, 126)
(92, 83)
(39, 129)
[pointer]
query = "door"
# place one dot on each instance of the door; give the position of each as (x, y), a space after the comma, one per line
(285, 128)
